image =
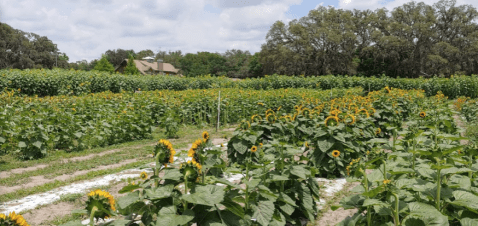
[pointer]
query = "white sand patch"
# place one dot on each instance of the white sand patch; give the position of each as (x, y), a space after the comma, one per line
(332, 186)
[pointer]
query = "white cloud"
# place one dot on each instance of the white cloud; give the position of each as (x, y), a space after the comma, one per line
(86, 29)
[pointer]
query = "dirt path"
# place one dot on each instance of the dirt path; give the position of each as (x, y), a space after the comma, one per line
(44, 214)
(40, 180)
(6, 174)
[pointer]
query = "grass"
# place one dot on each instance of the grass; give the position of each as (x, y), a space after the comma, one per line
(128, 151)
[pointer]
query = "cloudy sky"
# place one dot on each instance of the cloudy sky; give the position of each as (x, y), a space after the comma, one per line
(84, 29)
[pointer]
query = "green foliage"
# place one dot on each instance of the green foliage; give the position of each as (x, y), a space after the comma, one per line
(104, 65)
(32, 127)
(70, 82)
(130, 68)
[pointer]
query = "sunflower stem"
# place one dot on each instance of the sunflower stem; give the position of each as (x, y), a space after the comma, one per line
(92, 215)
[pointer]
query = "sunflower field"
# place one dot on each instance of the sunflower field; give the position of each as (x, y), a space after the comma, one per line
(31, 127)
(404, 149)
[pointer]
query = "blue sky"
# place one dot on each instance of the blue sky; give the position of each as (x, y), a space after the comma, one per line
(84, 29)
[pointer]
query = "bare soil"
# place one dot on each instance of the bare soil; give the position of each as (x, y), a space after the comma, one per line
(48, 213)
(21, 170)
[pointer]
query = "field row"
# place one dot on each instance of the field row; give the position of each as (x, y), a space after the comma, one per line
(70, 82)
(31, 126)
(420, 173)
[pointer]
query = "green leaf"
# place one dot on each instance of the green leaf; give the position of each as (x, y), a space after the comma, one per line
(469, 222)
(125, 201)
(287, 199)
(172, 174)
(286, 208)
(252, 183)
(263, 212)
(240, 146)
(22, 144)
(278, 219)
(325, 143)
(300, 171)
(374, 202)
(160, 192)
(37, 144)
(466, 199)
(226, 182)
(175, 220)
(233, 207)
(119, 223)
(208, 195)
(2, 140)
(128, 188)
(425, 213)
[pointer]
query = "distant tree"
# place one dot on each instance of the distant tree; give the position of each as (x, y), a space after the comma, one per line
(23, 50)
(255, 67)
(115, 57)
(144, 53)
(237, 63)
(104, 65)
(131, 68)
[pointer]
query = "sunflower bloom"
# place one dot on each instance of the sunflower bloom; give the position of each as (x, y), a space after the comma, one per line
(335, 153)
(423, 114)
(253, 149)
(378, 131)
(335, 118)
(205, 136)
(386, 181)
(13, 219)
(143, 175)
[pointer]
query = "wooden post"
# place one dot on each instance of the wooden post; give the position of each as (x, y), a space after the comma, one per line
(218, 110)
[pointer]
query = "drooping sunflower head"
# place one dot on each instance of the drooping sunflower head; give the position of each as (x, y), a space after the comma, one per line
(103, 201)
(271, 118)
(205, 136)
(335, 153)
(254, 149)
(190, 170)
(423, 114)
(256, 118)
(331, 121)
(164, 152)
(12, 219)
(352, 119)
(363, 112)
(378, 131)
(245, 125)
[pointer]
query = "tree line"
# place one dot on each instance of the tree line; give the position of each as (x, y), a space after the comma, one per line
(412, 40)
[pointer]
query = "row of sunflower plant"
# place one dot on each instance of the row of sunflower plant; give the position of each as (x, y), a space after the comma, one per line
(198, 189)
(70, 82)
(33, 126)
(331, 133)
(427, 177)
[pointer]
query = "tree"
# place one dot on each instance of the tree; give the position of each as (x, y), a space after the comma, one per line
(144, 53)
(115, 57)
(131, 68)
(104, 65)
(255, 67)
(237, 63)
(23, 50)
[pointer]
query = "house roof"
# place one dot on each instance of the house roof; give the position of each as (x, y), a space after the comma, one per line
(144, 66)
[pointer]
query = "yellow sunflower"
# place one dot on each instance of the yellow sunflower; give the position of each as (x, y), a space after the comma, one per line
(205, 136)
(423, 114)
(331, 117)
(253, 149)
(386, 181)
(352, 117)
(143, 175)
(378, 131)
(335, 153)
(14, 218)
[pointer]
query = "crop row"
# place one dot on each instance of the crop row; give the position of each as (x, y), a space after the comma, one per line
(69, 82)
(32, 126)
(423, 178)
